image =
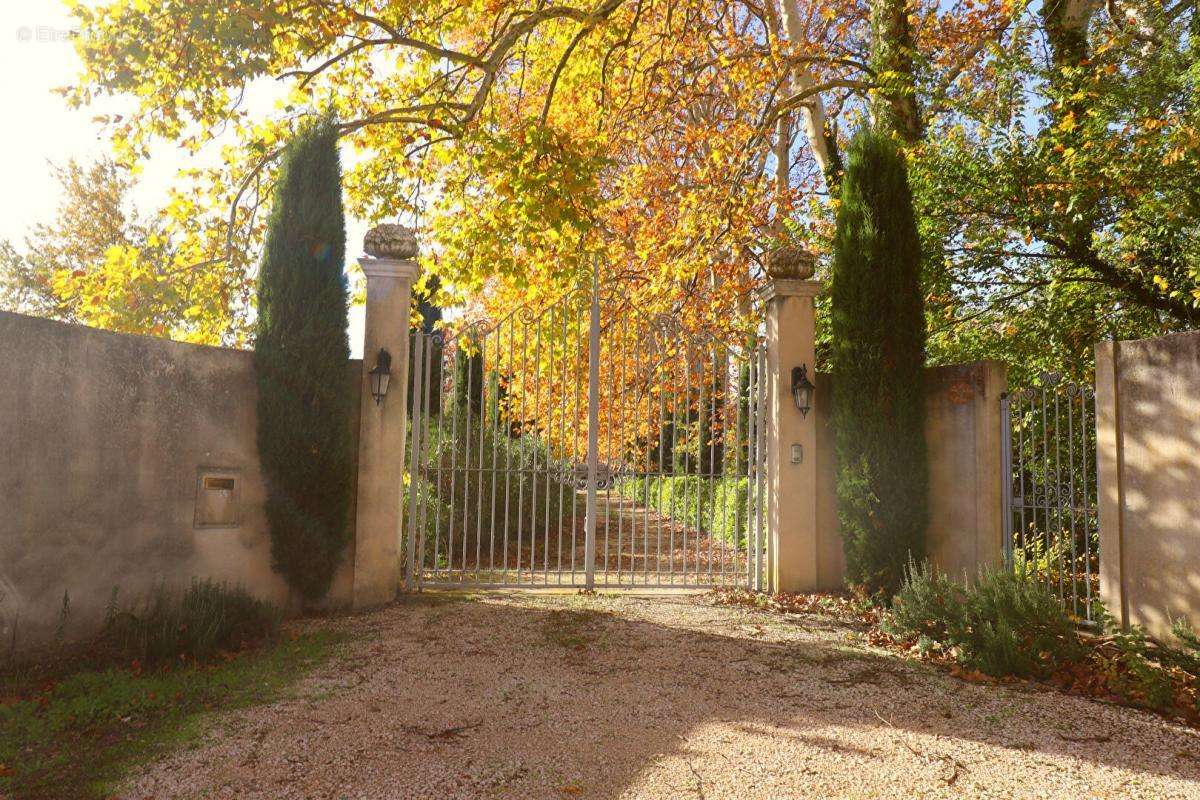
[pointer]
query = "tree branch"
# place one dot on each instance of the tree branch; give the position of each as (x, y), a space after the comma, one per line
(562, 63)
(1087, 257)
(803, 97)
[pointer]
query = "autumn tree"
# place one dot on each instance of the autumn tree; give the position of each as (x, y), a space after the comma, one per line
(1070, 211)
(684, 139)
(101, 263)
(681, 140)
(300, 356)
(550, 123)
(93, 217)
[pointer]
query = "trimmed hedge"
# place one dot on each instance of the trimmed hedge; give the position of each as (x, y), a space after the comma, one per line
(720, 502)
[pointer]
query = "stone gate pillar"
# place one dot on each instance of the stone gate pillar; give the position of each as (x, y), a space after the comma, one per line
(391, 269)
(792, 456)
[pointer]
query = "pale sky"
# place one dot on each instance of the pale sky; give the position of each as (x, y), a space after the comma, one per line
(35, 57)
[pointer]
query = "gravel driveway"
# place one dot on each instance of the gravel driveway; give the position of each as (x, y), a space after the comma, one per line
(619, 697)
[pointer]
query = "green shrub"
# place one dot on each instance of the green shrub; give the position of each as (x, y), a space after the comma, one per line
(1001, 624)
(1012, 625)
(719, 504)
(929, 604)
(1137, 673)
(192, 625)
(1144, 671)
(305, 405)
(484, 484)
(1048, 558)
(1186, 654)
(878, 353)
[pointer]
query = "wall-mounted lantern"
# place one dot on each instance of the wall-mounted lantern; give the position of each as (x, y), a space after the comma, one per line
(381, 375)
(802, 389)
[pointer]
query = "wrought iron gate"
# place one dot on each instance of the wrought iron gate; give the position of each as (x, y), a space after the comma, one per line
(1051, 528)
(585, 444)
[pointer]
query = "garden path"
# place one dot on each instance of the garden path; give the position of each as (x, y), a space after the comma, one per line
(636, 546)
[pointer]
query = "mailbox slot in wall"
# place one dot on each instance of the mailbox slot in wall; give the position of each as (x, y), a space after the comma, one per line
(218, 496)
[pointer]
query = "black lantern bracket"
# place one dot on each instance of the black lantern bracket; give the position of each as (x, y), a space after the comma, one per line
(381, 375)
(802, 389)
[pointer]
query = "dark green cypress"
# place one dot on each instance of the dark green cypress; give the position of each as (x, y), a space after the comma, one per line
(878, 355)
(431, 369)
(305, 402)
(470, 385)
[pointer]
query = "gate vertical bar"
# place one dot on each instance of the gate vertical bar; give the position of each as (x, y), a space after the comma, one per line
(429, 377)
(593, 462)
(494, 424)
(415, 371)
(1090, 513)
(1022, 473)
(1074, 563)
(751, 455)
(576, 342)
(764, 452)
(760, 462)
(1056, 532)
(563, 453)
(1006, 475)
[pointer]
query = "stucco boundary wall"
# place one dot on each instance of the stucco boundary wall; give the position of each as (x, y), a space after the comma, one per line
(963, 436)
(127, 462)
(1148, 454)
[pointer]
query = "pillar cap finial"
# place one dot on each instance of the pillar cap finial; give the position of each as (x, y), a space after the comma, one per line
(390, 240)
(791, 263)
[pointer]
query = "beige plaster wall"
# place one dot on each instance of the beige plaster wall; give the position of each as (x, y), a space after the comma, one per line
(962, 432)
(1148, 440)
(102, 436)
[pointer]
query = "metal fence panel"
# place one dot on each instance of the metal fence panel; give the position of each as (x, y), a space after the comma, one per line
(1052, 522)
(585, 444)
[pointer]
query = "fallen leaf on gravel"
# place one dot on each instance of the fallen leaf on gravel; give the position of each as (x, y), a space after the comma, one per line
(1097, 738)
(448, 733)
(972, 675)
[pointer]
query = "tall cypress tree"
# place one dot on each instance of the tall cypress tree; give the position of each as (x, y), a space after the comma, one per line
(431, 314)
(878, 354)
(301, 352)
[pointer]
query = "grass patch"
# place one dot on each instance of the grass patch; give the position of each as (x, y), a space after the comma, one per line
(572, 630)
(437, 598)
(194, 625)
(76, 734)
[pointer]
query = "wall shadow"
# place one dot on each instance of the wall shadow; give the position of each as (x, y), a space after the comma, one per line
(1158, 383)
